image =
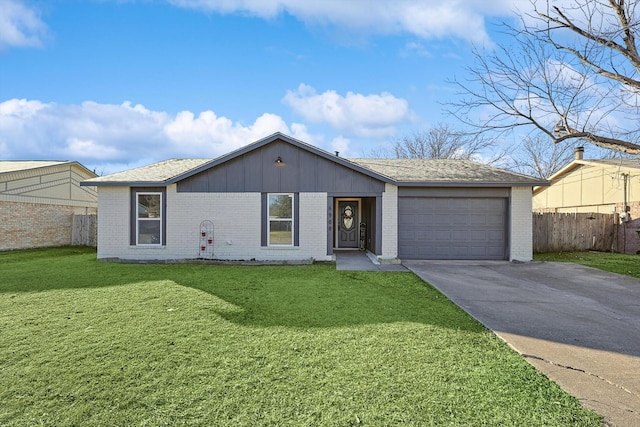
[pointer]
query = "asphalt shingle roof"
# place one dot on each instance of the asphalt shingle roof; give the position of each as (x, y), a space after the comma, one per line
(156, 172)
(20, 165)
(443, 170)
(399, 170)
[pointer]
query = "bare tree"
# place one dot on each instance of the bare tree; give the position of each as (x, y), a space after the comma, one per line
(572, 74)
(440, 142)
(540, 157)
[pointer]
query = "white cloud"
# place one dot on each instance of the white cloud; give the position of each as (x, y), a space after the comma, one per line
(107, 134)
(362, 115)
(414, 48)
(428, 19)
(208, 132)
(341, 145)
(20, 26)
(78, 148)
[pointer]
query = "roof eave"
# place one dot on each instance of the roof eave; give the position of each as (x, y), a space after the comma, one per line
(471, 184)
(123, 184)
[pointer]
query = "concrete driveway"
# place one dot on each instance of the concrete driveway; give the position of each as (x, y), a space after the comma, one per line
(578, 325)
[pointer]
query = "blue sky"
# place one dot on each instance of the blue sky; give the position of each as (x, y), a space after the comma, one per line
(116, 84)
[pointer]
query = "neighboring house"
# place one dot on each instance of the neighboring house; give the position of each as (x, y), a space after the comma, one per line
(282, 199)
(589, 185)
(38, 200)
(596, 186)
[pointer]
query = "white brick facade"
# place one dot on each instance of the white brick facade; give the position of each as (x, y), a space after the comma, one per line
(237, 227)
(313, 226)
(389, 224)
(521, 238)
(113, 222)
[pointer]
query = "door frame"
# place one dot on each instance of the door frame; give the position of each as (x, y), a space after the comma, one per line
(336, 219)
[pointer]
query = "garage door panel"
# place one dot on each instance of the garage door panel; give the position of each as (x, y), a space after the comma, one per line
(458, 218)
(441, 204)
(460, 235)
(452, 228)
(496, 236)
(440, 218)
(477, 220)
(495, 220)
(457, 204)
(478, 235)
(478, 204)
(442, 235)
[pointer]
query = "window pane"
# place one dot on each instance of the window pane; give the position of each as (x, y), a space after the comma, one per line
(280, 206)
(280, 233)
(148, 232)
(148, 205)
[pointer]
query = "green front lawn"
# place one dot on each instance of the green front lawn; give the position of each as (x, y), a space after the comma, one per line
(607, 261)
(93, 344)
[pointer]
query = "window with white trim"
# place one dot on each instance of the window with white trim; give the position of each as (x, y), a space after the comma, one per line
(280, 219)
(149, 218)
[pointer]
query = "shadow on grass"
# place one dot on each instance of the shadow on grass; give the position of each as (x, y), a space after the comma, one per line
(312, 297)
(315, 296)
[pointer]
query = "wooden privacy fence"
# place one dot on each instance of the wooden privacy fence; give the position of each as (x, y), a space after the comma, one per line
(555, 232)
(84, 230)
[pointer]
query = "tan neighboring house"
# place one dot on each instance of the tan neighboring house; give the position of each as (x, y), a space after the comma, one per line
(596, 186)
(38, 200)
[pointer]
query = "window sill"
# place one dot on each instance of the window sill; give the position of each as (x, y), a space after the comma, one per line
(280, 248)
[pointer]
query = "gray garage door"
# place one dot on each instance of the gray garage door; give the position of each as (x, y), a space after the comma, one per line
(452, 228)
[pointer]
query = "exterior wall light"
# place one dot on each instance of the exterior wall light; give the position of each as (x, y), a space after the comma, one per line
(279, 160)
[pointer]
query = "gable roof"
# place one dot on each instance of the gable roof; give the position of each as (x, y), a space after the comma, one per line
(396, 171)
(179, 169)
(577, 163)
(11, 166)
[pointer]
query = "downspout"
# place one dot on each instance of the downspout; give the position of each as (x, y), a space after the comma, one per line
(626, 213)
(624, 195)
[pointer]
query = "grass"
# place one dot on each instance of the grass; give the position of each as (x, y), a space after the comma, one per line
(616, 263)
(90, 343)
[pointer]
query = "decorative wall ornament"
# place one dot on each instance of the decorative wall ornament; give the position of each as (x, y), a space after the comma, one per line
(206, 240)
(347, 217)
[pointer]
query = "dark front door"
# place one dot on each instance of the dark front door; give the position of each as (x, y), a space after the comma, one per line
(348, 224)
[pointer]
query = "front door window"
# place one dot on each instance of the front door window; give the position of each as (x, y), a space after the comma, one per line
(347, 222)
(347, 217)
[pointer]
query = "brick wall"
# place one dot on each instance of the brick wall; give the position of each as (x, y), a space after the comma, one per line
(521, 239)
(31, 225)
(113, 221)
(237, 227)
(389, 223)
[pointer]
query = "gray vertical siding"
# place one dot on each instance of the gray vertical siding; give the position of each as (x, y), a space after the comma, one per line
(300, 171)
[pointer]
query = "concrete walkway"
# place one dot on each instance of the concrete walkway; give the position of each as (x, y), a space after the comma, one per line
(578, 325)
(362, 261)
